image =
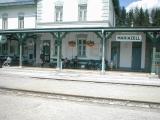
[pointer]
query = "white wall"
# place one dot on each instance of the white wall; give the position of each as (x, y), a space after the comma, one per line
(70, 10)
(97, 12)
(95, 52)
(91, 52)
(13, 12)
(69, 52)
(108, 52)
(126, 50)
(126, 54)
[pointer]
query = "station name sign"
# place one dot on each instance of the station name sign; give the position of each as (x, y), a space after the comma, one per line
(133, 38)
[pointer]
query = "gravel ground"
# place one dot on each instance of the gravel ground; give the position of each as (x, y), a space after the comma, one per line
(24, 107)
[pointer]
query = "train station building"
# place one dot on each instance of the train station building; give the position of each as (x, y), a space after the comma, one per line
(55, 30)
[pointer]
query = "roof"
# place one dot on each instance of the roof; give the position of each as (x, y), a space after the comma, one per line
(83, 29)
(16, 2)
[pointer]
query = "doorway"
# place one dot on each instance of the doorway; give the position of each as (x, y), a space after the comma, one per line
(115, 54)
(136, 55)
(46, 50)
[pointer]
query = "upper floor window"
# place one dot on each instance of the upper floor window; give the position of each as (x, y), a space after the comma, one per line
(21, 21)
(82, 12)
(5, 21)
(58, 13)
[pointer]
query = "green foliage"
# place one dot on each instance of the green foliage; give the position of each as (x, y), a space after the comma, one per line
(121, 21)
(155, 15)
(138, 17)
(116, 6)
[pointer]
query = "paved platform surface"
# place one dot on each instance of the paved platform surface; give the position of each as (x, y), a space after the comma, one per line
(115, 77)
(113, 85)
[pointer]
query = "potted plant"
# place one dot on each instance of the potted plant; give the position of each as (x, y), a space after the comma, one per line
(90, 43)
(71, 43)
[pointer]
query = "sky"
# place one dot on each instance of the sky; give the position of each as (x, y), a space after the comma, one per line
(126, 2)
(145, 4)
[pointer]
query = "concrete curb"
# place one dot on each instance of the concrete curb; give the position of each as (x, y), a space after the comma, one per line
(87, 76)
(100, 82)
(78, 98)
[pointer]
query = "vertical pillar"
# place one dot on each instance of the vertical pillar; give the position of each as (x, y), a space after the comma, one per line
(38, 49)
(20, 37)
(59, 36)
(58, 50)
(35, 50)
(154, 41)
(20, 55)
(103, 52)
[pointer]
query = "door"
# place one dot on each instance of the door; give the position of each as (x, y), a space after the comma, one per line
(46, 50)
(115, 54)
(136, 55)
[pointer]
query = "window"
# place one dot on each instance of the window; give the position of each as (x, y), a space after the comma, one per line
(58, 13)
(83, 12)
(21, 21)
(5, 21)
(81, 47)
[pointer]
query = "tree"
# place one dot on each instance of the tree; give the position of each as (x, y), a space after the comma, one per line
(136, 17)
(121, 21)
(141, 18)
(147, 18)
(130, 18)
(155, 15)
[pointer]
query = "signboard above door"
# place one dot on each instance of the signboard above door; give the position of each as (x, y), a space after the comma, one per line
(129, 38)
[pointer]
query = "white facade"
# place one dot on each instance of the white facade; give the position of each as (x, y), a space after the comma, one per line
(125, 50)
(100, 13)
(29, 12)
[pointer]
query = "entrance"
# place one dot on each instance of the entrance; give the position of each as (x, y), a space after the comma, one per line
(115, 54)
(136, 55)
(46, 50)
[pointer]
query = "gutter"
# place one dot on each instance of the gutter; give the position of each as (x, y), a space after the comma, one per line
(17, 3)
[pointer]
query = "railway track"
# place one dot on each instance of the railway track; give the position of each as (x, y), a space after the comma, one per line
(94, 100)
